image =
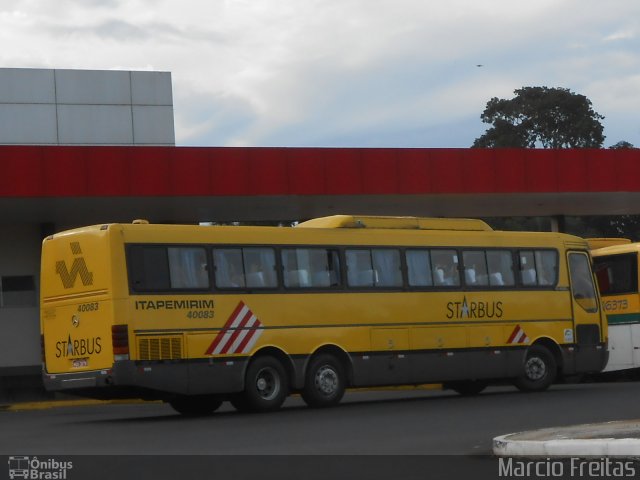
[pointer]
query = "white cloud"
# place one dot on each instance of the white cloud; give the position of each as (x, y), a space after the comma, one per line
(621, 35)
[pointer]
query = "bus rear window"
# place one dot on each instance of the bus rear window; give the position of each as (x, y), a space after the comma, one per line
(617, 274)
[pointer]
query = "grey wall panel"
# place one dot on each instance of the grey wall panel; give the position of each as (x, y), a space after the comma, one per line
(153, 125)
(28, 124)
(151, 88)
(93, 87)
(20, 338)
(85, 107)
(20, 327)
(25, 85)
(95, 124)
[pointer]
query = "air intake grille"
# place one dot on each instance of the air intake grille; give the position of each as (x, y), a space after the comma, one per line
(160, 348)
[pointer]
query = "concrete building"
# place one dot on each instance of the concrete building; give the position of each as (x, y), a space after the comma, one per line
(84, 107)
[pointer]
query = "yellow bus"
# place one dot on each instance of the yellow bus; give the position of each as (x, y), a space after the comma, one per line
(198, 315)
(616, 266)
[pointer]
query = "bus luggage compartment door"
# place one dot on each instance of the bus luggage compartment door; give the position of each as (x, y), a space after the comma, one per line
(389, 362)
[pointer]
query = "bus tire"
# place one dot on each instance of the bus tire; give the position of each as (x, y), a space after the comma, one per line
(325, 382)
(540, 369)
(266, 386)
(467, 388)
(195, 405)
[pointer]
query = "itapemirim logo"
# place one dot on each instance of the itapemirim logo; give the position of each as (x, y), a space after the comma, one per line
(38, 469)
(78, 267)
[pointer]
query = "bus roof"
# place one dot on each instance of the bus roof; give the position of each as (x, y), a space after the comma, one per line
(382, 222)
(595, 243)
(350, 229)
(618, 249)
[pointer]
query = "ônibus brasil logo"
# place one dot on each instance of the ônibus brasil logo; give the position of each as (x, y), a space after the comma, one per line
(78, 267)
(34, 468)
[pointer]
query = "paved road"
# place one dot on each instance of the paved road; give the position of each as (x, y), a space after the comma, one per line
(406, 422)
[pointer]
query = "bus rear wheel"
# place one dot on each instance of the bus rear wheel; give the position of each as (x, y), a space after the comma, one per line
(266, 386)
(195, 405)
(325, 382)
(540, 369)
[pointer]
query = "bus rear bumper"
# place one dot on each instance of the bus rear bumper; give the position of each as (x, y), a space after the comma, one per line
(73, 381)
(163, 378)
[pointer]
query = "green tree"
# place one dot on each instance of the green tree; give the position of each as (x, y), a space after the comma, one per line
(541, 116)
(621, 145)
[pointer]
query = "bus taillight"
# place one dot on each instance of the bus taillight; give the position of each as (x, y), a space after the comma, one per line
(120, 342)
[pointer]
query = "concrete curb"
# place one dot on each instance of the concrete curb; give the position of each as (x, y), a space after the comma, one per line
(611, 439)
(44, 405)
(83, 402)
(422, 386)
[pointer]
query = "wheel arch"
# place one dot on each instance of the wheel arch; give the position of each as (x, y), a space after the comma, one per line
(555, 350)
(284, 358)
(343, 357)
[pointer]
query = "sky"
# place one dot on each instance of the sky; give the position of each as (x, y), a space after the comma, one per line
(343, 73)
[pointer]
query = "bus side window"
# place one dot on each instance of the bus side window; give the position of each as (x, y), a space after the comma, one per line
(310, 267)
(475, 268)
(445, 268)
(360, 272)
(260, 267)
(333, 265)
(378, 267)
(188, 267)
(547, 267)
(294, 264)
(528, 274)
(500, 268)
(148, 268)
(419, 268)
(386, 262)
(229, 272)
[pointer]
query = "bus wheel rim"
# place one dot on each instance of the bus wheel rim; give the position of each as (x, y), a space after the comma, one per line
(268, 383)
(535, 368)
(326, 380)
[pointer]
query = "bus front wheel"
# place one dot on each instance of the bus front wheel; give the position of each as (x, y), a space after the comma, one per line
(194, 405)
(325, 382)
(540, 370)
(266, 386)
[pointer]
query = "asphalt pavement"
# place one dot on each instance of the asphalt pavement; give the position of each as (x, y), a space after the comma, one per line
(619, 439)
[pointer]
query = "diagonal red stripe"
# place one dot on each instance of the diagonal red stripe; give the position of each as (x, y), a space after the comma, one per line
(237, 331)
(514, 334)
(252, 331)
(226, 326)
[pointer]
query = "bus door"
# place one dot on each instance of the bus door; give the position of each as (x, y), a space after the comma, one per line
(587, 318)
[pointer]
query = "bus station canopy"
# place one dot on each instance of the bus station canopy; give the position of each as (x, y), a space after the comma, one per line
(75, 185)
